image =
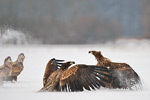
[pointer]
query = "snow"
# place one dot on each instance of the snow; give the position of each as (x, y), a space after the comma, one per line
(37, 56)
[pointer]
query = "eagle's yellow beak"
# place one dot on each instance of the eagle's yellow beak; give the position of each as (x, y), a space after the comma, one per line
(72, 62)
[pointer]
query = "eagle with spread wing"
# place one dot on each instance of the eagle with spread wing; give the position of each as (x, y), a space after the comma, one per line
(76, 78)
(16, 68)
(123, 76)
(5, 69)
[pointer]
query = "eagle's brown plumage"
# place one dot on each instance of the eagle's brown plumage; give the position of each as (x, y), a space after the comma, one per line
(51, 66)
(123, 76)
(16, 68)
(5, 69)
(76, 78)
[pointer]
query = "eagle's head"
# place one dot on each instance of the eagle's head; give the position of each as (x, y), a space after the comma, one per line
(7, 61)
(65, 66)
(21, 57)
(98, 55)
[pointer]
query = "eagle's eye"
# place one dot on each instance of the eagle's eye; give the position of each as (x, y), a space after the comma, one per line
(91, 52)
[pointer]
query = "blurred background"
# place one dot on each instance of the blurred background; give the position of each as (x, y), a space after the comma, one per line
(73, 21)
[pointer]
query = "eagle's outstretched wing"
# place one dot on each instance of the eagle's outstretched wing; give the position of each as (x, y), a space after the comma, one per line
(80, 77)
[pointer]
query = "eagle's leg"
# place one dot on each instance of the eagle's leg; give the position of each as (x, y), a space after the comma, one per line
(14, 78)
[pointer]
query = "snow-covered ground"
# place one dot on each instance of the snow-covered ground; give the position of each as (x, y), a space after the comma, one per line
(137, 55)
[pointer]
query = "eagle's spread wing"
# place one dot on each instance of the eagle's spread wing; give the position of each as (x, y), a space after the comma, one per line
(83, 76)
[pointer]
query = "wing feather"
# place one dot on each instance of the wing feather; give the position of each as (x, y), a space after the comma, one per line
(104, 74)
(89, 82)
(97, 81)
(85, 83)
(94, 83)
(84, 76)
(102, 78)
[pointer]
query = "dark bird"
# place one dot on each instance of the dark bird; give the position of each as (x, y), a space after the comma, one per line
(16, 68)
(5, 69)
(51, 66)
(123, 76)
(76, 78)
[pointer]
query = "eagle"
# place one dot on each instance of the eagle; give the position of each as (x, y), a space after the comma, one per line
(51, 66)
(76, 78)
(123, 76)
(16, 68)
(5, 69)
